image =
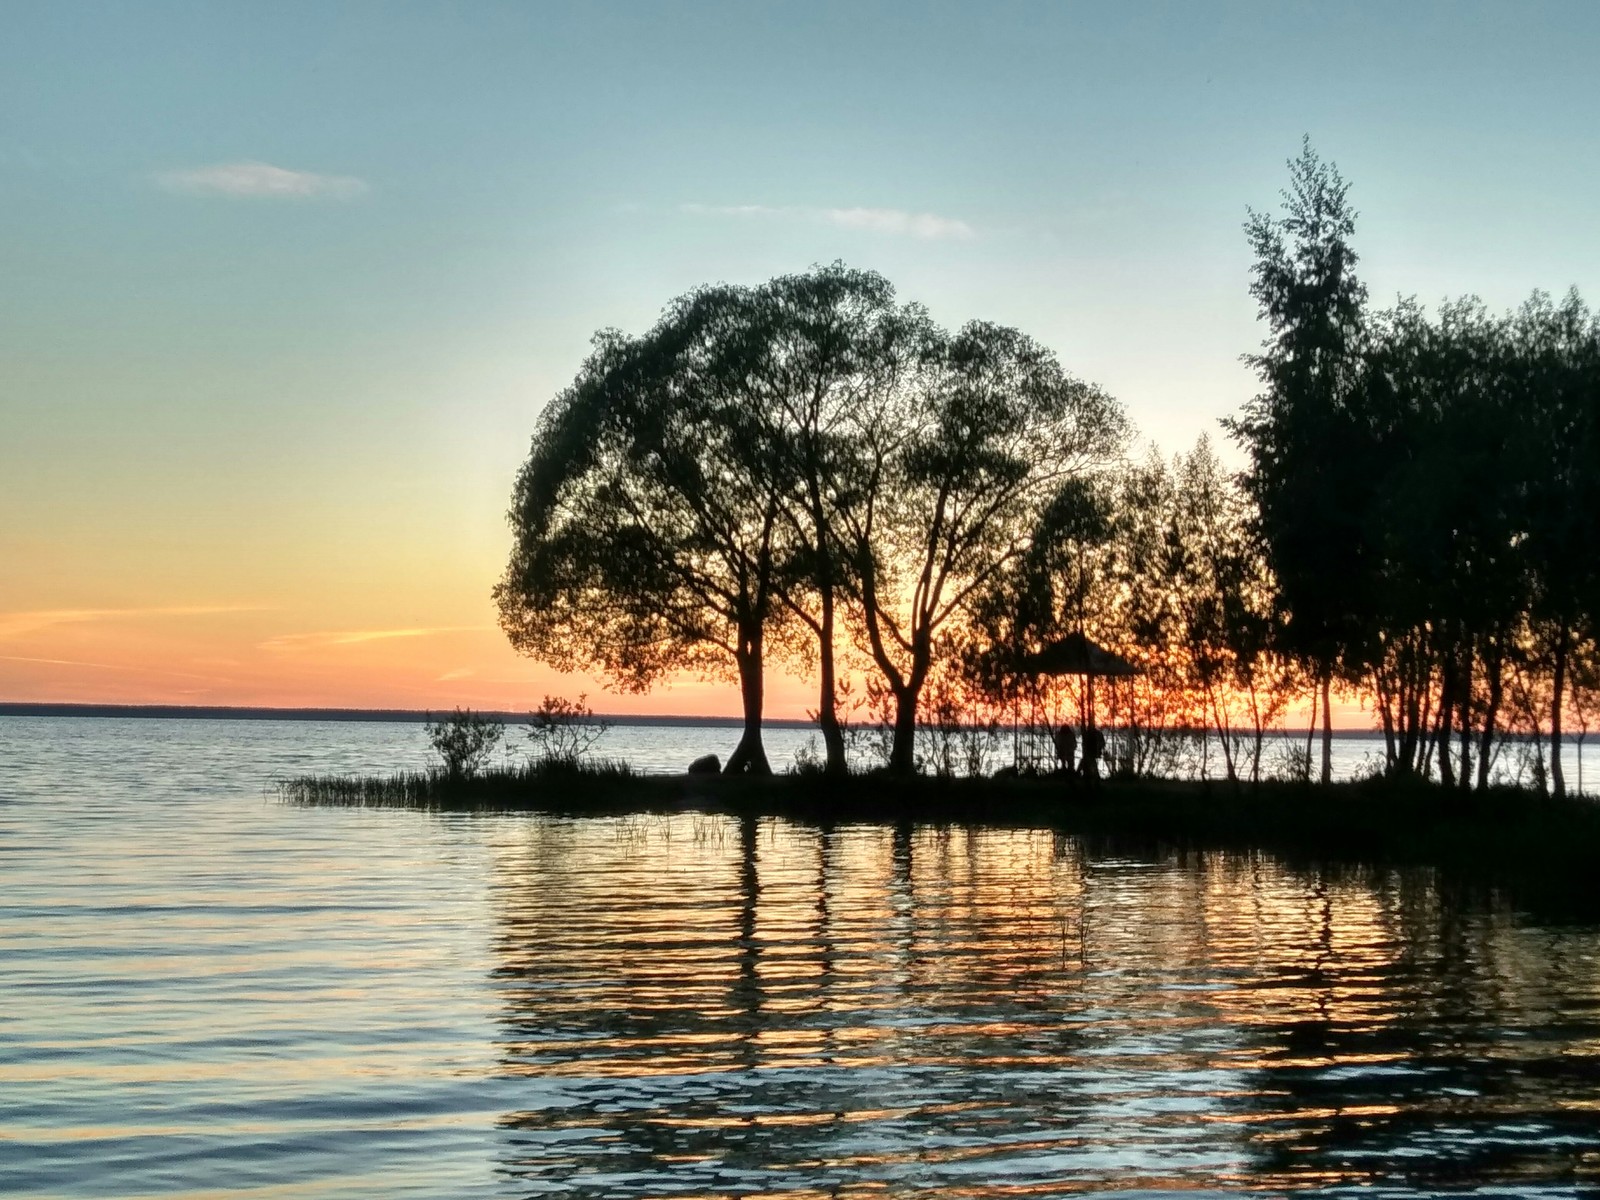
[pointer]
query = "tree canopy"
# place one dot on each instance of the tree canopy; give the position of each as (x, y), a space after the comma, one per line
(766, 454)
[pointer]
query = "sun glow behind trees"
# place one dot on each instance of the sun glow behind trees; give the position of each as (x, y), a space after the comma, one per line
(764, 454)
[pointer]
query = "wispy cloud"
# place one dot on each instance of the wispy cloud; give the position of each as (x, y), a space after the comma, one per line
(100, 666)
(257, 179)
(895, 222)
(355, 637)
(17, 624)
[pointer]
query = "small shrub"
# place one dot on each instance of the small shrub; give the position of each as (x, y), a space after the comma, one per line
(563, 731)
(464, 741)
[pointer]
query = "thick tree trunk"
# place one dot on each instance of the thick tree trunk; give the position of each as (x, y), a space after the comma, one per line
(1558, 781)
(749, 756)
(903, 750)
(1464, 780)
(907, 696)
(1327, 732)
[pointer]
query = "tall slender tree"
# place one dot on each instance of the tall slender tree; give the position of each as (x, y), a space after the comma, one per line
(1307, 468)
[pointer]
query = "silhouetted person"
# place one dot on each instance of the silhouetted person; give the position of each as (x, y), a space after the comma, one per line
(1094, 747)
(1066, 748)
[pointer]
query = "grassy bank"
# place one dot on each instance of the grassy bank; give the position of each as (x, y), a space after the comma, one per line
(1544, 852)
(598, 786)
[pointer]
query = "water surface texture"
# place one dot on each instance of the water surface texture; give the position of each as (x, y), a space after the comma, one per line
(204, 993)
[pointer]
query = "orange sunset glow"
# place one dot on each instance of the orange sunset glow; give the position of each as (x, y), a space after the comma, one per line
(237, 656)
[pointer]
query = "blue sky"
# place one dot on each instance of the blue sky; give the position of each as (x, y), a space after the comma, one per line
(286, 284)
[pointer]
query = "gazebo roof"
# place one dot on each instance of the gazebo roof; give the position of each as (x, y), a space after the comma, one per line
(1077, 655)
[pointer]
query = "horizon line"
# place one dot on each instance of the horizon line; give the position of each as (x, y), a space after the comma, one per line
(264, 712)
(307, 712)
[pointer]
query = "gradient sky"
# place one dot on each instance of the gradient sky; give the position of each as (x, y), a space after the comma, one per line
(286, 285)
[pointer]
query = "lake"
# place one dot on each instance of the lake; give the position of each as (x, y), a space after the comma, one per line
(205, 993)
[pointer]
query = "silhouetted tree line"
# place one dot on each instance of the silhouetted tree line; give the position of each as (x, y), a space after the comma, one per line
(1428, 491)
(812, 471)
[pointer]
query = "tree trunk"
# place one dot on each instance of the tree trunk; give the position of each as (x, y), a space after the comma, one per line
(827, 701)
(1424, 715)
(1447, 709)
(1391, 755)
(1558, 781)
(749, 757)
(903, 751)
(1259, 741)
(1464, 781)
(1493, 667)
(907, 695)
(1413, 716)
(1327, 732)
(1224, 728)
(1311, 731)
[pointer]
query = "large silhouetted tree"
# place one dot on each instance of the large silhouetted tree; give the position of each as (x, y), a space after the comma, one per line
(646, 519)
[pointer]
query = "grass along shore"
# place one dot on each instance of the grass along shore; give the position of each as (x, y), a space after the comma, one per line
(1544, 852)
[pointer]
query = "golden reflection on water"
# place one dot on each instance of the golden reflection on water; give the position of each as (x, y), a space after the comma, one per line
(716, 1007)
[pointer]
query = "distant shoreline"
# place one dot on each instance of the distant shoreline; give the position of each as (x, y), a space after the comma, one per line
(415, 716)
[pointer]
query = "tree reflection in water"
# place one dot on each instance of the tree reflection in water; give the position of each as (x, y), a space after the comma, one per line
(706, 1006)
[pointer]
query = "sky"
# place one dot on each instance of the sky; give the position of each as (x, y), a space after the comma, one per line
(284, 287)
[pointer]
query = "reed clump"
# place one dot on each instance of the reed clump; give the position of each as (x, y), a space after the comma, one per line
(555, 783)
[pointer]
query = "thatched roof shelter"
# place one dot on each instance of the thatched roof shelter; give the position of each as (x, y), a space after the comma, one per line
(1077, 655)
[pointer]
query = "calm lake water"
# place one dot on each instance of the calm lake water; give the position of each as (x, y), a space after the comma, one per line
(204, 993)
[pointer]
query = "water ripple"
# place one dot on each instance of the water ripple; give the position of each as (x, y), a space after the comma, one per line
(207, 994)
